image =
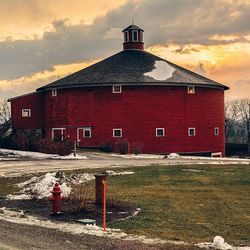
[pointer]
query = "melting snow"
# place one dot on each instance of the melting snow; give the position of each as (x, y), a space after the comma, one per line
(37, 155)
(139, 156)
(220, 244)
(161, 71)
(41, 186)
(20, 217)
(113, 173)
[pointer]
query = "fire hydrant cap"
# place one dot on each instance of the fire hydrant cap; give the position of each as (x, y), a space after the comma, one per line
(56, 189)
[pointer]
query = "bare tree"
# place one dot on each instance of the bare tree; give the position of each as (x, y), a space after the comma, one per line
(244, 114)
(231, 116)
(4, 112)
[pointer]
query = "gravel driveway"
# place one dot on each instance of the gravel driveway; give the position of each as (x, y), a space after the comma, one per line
(99, 160)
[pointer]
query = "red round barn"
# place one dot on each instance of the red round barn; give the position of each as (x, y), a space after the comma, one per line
(133, 96)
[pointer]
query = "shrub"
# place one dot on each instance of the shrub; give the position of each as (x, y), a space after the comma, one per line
(81, 196)
(107, 147)
(8, 142)
(121, 147)
(34, 143)
(136, 148)
(52, 147)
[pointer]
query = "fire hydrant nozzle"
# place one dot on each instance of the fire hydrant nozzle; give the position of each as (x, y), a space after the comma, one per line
(56, 199)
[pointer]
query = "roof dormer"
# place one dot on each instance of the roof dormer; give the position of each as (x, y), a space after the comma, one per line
(133, 38)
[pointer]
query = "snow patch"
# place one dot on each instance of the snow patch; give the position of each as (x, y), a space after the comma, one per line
(161, 71)
(41, 187)
(138, 210)
(139, 156)
(220, 244)
(113, 173)
(20, 217)
(37, 155)
(174, 156)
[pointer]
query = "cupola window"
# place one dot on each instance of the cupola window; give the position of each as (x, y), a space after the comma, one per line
(135, 36)
(126, 36)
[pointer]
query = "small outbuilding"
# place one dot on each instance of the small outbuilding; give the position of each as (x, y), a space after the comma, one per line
(133, 96)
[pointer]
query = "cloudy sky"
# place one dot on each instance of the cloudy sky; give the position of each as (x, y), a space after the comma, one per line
(43, 40)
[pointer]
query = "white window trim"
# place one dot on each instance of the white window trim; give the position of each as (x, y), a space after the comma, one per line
(135, 31)
(116, 92)
(114, 132)
(87, 129)
(54, 92)
(191, 89)
(216, 131)
(53, 133)
(189, 130)
(26, 112)
(157, 129)
(126, 35)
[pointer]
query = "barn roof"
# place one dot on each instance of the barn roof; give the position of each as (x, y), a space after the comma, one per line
(133, 67)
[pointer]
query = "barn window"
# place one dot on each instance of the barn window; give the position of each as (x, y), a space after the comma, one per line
(126, 36)
(26, 112)
(54, 92)
(160, 132)
(87, 132)
(117, 89)
(216, 131)
(135, 36)
(191, 90)
(191, 132)
(117, 132)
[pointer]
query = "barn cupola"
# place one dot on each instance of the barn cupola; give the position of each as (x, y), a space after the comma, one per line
(133, 38)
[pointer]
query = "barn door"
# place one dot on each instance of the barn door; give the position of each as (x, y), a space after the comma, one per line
(82, 135)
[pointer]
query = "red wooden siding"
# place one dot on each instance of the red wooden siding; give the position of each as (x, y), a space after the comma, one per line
(35, 102)
(138, 111)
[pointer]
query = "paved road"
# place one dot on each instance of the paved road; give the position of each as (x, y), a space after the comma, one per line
(95, 160)
(24, 237)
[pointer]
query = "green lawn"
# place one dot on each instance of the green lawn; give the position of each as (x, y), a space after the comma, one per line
(187, 205)
(177, 204)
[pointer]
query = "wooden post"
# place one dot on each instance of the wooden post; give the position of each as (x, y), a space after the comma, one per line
(99, 188)
(74, 148)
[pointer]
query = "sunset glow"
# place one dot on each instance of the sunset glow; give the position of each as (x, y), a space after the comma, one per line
(44, 40)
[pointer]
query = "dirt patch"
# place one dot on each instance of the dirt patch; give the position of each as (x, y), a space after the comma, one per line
(42, 208)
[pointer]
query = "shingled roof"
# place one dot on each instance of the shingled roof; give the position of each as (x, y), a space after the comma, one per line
(133, 67)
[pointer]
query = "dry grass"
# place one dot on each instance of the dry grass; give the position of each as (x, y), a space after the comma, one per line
(189, 206)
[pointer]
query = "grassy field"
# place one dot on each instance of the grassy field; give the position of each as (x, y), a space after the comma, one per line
(190, 203)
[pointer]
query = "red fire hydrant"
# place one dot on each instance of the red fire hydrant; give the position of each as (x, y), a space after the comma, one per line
(56, 199)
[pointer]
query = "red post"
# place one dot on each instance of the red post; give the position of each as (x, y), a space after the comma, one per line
(99, 188)
(104, 204)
